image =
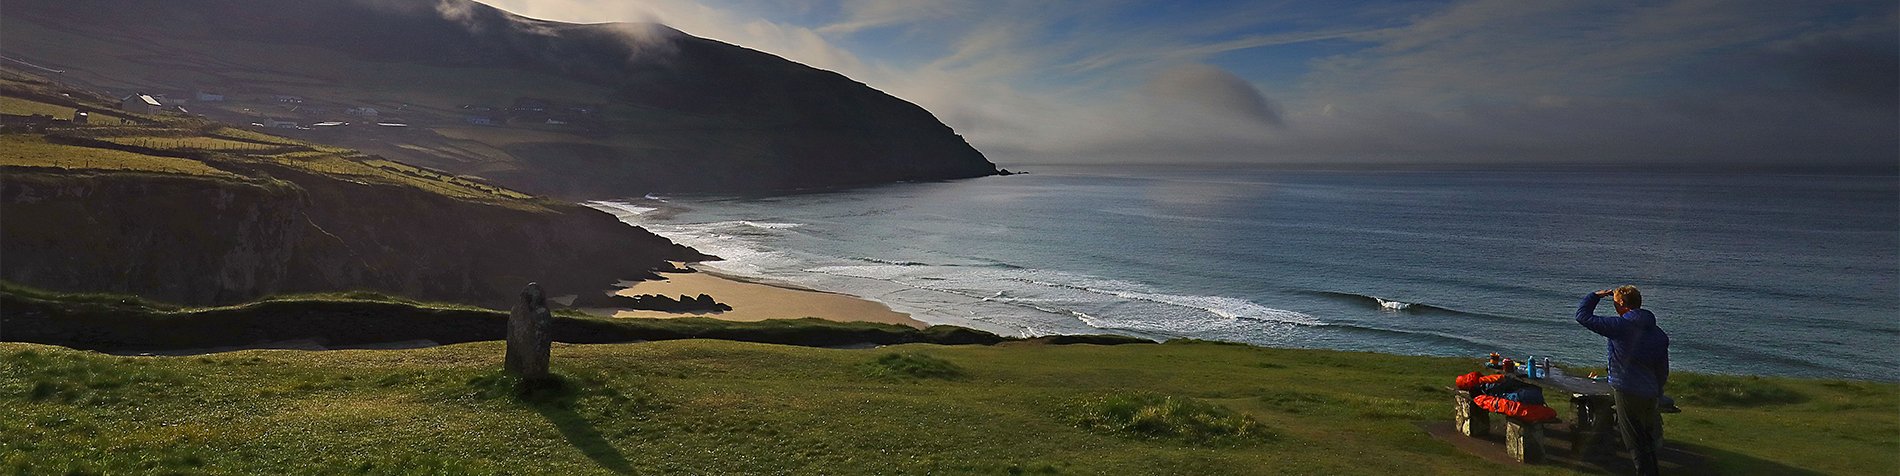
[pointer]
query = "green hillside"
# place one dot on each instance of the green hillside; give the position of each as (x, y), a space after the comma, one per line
(186, 209)
(678, 404)
(174, 144)
(575, 111)
(719, 407)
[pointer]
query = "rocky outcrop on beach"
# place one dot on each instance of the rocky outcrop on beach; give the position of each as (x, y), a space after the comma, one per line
(658, 302)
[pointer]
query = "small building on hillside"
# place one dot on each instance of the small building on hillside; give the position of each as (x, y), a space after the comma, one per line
(527, 104)
(482, 120)
(82, 117)
(364, 111)
(139, 103)
(276, 123)
(208, 96)
(288, 99)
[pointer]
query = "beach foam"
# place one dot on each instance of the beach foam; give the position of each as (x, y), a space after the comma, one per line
(618, 209)
(999, 297)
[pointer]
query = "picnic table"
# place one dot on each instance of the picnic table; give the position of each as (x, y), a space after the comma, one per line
(1593, 414)
(1592, 409)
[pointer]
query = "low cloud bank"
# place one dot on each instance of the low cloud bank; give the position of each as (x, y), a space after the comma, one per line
(1711, 82)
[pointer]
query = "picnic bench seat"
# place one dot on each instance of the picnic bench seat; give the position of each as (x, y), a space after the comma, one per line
(1523, 439)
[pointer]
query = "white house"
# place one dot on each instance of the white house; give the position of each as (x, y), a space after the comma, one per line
(276, 123)
(139, 103)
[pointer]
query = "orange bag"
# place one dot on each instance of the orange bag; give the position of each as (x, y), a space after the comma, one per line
(1471, 381)
(1514, 409)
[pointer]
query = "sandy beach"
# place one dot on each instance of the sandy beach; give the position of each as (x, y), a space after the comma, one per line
(754, 301)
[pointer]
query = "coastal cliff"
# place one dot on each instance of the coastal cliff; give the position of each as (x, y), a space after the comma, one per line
(189, 211)
(205, 241)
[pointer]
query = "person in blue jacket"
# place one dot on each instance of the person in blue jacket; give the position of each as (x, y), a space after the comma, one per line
(1639, 366)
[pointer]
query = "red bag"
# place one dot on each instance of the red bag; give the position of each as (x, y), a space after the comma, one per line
(1471, 381)
(1514, 409)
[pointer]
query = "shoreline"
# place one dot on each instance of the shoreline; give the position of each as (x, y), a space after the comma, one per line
(756, 300)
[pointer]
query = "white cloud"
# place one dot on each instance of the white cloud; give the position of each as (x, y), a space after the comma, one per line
(1031, 80)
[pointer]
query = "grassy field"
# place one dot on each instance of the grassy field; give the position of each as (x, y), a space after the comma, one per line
(115, 322)
(395, 173)
(233, 149)
(211, 143)
(33, 151)
(25, 107)
(718, 407)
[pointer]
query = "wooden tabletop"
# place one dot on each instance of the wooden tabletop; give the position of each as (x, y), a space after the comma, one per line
(1560, 381)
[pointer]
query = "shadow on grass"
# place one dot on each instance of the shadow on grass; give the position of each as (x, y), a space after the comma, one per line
(554, 398)
(1608, 456)
(1676, 458)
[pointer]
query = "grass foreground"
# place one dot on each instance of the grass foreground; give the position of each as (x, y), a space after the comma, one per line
(721, 407)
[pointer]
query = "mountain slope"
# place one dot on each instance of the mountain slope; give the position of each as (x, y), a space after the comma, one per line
(577, 111)
(189, 211)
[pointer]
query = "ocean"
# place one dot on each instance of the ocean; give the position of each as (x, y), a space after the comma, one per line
(1749, 273)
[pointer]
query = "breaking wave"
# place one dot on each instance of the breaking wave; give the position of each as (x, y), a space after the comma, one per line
(1412, 308)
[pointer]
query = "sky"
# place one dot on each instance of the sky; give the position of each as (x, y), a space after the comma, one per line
(1681, 82)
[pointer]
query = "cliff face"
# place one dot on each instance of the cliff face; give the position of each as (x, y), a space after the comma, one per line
(206, 241)
(633, 108)
(171, 238)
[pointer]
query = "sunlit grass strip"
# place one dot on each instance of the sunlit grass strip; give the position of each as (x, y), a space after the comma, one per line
(189, 143)
(254, 136)
(33, 151)
(24, 107)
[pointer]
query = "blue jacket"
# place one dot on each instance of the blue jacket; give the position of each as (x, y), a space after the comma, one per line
(1639, 351)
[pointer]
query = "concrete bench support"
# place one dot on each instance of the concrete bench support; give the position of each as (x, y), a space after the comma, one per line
(1593, 423)
(1471, 419)
(1524, 440)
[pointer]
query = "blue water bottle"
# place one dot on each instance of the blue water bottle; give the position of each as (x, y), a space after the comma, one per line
(1530, 370)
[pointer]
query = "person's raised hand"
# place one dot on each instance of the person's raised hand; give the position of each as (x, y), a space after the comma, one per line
(1606, 292)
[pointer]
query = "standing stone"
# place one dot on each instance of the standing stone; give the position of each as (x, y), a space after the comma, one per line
(528, 334)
